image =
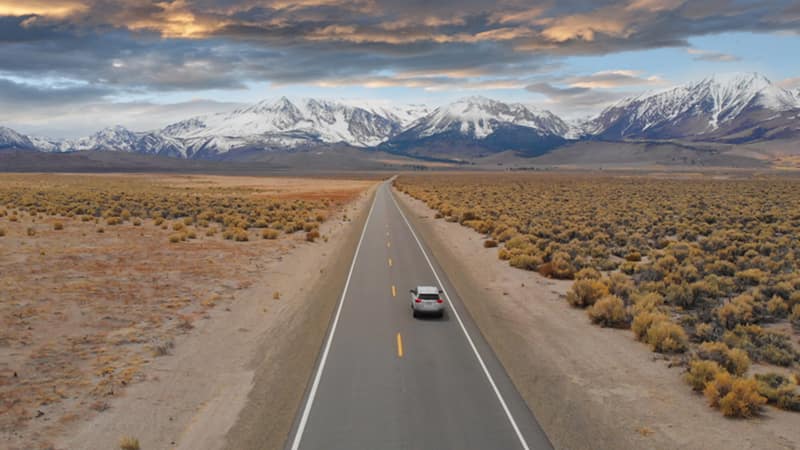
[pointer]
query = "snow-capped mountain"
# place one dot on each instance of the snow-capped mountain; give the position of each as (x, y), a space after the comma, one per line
(404, 115)
(12, 139)
(480, 125)
(732, 109)
(123, 140)
(713, 107)
(285, 124)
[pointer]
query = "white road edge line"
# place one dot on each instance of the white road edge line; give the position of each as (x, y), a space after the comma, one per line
(313, 392)
(466, 333)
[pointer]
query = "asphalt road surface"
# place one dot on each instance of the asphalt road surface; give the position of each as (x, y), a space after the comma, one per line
(386, 380)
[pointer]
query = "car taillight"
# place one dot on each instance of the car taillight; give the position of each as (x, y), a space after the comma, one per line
(418, 300)
(439, 300)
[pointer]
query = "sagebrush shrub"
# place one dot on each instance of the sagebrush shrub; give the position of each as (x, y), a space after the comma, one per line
(644, 320)
(700, 373)
(735, 397)
(609, 311)
(737, 311)
(526, 262)
(733, 360)
(585, 293)
(270, 233)
(588, 273)
(667, 337)
(779, 390)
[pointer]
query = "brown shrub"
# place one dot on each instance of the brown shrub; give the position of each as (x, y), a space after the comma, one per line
(735, 397)
(58, 226)
(667, 337)
(733, 360)
(588, 273)
(643, 321)
(620, 285)
(779, 390)
(562, 267)
(128, 443)
(312, 235)
(737, 311)
(586, 292)
(795, 315)
(270, 233)
(526, 262)
(777, 306)
(609, 311)
(701, 373)
(489, 243)
(647, 302)
(2, 232)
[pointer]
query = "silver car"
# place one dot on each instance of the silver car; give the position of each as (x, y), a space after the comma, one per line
(427, 300)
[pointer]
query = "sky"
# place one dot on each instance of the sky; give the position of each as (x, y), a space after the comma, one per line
(71, 67)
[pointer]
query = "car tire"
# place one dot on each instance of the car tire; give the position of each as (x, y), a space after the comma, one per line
(415, 313)
(441, 314)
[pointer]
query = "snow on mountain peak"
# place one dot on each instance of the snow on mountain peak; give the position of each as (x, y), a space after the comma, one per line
(694, 108)
(12, 139)
(480, 117)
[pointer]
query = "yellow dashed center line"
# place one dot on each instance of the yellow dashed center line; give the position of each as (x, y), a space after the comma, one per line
(388, 244)
(390, 262)
(399, 346)
(394, 291)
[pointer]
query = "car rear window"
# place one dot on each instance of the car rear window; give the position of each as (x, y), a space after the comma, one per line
(429, 296)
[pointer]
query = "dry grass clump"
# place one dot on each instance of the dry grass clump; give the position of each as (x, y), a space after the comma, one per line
(714, 260)
(128, 443)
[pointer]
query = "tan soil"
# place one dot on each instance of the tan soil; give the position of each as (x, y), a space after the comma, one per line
(123, 333)
(193, 399)
(589, 387)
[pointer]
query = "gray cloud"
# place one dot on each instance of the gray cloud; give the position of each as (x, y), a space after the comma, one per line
(706, 55)
(575, 101)
(111, 48)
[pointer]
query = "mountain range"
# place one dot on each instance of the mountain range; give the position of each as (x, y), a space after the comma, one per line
(735, 108)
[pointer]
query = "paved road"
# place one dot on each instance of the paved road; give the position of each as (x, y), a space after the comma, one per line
(388, 381)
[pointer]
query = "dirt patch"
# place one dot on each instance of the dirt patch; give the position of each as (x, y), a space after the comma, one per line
(589, 387)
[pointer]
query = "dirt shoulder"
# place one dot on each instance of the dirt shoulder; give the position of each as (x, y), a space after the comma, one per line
(238, 378)
(588, 387)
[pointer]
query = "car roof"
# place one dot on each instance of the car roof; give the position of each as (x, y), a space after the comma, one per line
(427, 290)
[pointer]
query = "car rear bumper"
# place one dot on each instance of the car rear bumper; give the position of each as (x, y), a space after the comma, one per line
(428, 307)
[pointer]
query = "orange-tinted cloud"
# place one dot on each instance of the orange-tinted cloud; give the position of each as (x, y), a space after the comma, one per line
(45, 8)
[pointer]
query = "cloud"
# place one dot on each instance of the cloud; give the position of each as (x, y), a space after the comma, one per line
(612, 79)
(122, 47)
(790, 83)
(706, 55)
